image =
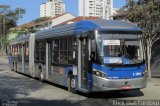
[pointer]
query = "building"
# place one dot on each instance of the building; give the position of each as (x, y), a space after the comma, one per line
(52, 8)
(54, 21)
(96, 8)
(115, 11)
(65, 18)
(76, 19)
(49, 23)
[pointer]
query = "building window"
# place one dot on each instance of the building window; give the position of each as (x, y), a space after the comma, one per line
(26, 52)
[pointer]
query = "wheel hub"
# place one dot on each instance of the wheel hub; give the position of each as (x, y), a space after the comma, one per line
(73, 83)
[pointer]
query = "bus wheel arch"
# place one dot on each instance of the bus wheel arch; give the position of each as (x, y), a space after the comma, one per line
(41, 73)
(16, 66)
(12, 68)
(71, 82)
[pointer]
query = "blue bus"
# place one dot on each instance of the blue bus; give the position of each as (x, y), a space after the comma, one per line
(86, 56)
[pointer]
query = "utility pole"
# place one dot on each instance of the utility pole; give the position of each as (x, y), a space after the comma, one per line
(4, 25)
(5, 34)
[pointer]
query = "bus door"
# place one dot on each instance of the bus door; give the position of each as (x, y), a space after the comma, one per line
(82, 63)
(23, 57)
(31, 55)
(48, 59)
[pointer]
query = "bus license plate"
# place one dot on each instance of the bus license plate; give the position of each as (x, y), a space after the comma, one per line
(125, 87)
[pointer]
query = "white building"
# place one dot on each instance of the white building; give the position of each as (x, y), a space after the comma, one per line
(96, 8)
(52, 8)
(115, 10)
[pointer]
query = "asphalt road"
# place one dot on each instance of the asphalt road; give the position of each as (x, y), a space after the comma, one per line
(19, 90)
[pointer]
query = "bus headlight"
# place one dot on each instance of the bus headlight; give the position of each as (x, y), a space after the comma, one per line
(99, 73)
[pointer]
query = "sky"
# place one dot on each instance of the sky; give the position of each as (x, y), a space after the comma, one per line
(33, 7)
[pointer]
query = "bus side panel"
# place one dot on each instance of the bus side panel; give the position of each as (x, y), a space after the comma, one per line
(26, 68)
(90, 81)
(19, 64)
(31, 55)
(66, 71)
(36, 68)
(57, 75)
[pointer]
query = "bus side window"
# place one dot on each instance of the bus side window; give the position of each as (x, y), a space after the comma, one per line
(20, 52)
(10, 50)
(55, 51)
(42, 49)
(63, 51)
(13, 50)
(72, 46)
(93, 50)
(26, 53)
(36, 51)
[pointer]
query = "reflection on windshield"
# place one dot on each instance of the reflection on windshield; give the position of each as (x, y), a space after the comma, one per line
(127, 51)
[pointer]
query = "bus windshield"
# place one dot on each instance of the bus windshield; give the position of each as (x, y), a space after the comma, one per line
(119, 48)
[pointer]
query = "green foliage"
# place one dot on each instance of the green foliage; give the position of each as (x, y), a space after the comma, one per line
(4, 41)
(146, 13)
(8, 19)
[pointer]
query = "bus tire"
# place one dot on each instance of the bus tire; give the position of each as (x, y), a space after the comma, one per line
(15, 66)
(12, 68)
(41, 75)
(72, 83)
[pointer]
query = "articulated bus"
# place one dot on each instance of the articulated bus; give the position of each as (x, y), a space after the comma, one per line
(87, 56)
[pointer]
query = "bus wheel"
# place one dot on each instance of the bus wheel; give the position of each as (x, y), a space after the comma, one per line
(41, 77)
(72, 84)
(12, 69)
(15, 66)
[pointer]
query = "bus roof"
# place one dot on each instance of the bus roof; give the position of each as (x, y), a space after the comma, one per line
(82, 27)
(85, 26)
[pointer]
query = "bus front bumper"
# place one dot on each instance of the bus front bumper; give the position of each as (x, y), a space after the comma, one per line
(103, 84)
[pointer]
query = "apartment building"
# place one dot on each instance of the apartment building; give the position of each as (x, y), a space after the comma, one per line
(115, 11)
(52, 8)
(96, 8)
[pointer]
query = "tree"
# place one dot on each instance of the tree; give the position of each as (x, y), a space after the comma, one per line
(41, 19)
(8, 19)
(146, 14)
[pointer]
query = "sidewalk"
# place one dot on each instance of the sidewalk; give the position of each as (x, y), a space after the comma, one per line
(3, 59)
(155, 74)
